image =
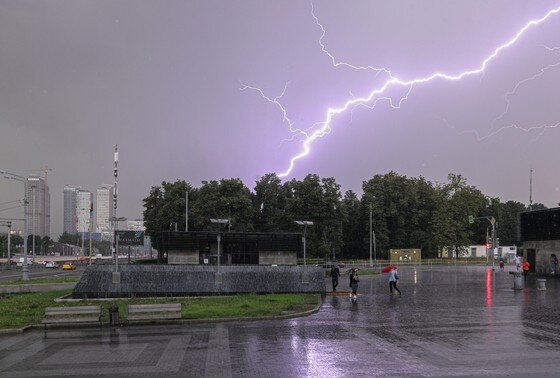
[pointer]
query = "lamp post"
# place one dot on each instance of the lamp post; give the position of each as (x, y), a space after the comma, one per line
(219, 237)
(23, 180)
(33, 231)
(90, 229)
(304, 224)
(370, 234)
(492, 221)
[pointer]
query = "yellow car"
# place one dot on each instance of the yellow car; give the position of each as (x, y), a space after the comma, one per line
(68, 266)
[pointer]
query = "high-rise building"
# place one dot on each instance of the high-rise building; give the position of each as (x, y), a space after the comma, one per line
(104, 206)
(39, 207)
(83, 205)
(70, 215)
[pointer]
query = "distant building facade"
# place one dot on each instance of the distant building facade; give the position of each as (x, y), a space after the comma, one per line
(236, 248)
(540, 233)
(39, 207)
(399, 255)
(83, 204)
(104, 207)
(70, 225)
(135, 225)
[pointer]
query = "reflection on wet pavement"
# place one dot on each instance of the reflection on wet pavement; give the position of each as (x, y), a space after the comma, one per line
(449, 321)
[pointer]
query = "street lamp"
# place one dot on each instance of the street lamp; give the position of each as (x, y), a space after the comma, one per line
(23, 180)
(219, 237)
(304, 224)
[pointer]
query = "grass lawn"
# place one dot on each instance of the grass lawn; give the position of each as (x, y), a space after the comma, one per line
(47, 280)
(18, 310)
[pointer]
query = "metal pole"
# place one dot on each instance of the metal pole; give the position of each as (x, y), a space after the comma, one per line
(229, 219)
(24, 268)
(9, 242)
(370, 235)
(33, 231)
(493, 242)
(90, 227)
(374, 248)
(117, 253)
(115, 195)
(187, 212)
(304, 234)
(219, 239)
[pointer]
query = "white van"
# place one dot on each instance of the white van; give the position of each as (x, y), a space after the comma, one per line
(20, 262)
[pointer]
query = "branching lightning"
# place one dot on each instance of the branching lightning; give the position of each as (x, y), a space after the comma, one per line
(508, 95)
(394, 81)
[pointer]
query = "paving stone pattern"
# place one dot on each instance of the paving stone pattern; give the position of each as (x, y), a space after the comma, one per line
(448, 322)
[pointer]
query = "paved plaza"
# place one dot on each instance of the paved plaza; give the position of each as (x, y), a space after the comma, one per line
(448, 322)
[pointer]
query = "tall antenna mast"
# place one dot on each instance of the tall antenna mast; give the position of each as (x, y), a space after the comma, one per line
(531, 190)
(115, 190)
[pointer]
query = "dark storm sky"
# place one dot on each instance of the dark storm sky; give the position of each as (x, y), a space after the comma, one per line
(162, 79)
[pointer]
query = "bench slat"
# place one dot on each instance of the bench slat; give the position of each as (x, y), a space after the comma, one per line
(81, 319)
(72, 312)
(154, 316)
(74, 307)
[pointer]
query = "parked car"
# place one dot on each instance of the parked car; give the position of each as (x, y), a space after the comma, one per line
(20, 262)
(68, 266)
(51, 265)
(329, 264)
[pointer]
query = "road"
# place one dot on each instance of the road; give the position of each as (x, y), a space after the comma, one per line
(448, 322)
(38, 272)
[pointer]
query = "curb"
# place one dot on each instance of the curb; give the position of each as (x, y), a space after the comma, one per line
(17, 331)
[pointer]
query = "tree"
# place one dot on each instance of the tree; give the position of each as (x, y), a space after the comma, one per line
(352, 231)
(269, 204)
(456, 202)
(165, 206)
(317, 200)
(224, 199)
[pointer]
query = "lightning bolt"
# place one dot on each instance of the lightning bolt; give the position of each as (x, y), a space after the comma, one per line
(392, 81)
(507, 96)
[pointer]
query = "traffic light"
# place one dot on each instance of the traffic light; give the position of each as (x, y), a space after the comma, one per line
(488, 245)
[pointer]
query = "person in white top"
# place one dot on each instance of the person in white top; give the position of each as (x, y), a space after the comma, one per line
(518, 262)
(393, 278)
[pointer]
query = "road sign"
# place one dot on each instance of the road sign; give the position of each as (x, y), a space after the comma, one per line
(130, 237)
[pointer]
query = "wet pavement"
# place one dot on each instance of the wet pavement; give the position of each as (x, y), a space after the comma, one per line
(448, 322)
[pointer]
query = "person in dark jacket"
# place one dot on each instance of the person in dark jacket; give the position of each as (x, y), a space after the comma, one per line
(335, 273)
(354, 283)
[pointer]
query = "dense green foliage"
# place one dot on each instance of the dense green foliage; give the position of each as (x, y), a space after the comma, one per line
(406, 212)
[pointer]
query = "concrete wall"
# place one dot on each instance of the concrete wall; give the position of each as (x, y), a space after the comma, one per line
(34, 288)
(185, 280)
(543, 251)
(277, 258)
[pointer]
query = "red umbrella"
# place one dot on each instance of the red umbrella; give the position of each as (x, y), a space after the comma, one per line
(388, 268)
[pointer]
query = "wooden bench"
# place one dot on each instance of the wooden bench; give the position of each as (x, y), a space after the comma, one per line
(72, 315)
(154, 311)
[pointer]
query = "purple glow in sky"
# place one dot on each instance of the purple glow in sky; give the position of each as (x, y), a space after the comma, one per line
(163, 81)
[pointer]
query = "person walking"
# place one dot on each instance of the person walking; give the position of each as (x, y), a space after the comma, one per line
(502, 264)
(553, 264)
(526, 266)
(354, 283)
(393, 279)
(518, 262)
(335, 273)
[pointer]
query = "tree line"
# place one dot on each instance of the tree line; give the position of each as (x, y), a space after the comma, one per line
(406, 212)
